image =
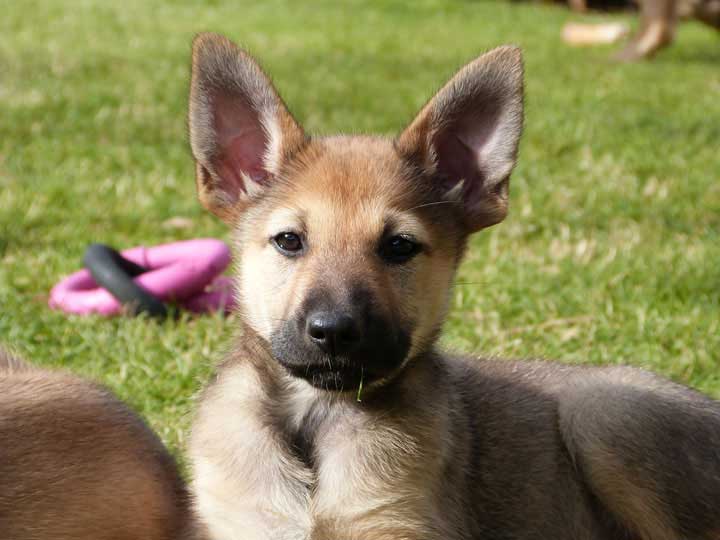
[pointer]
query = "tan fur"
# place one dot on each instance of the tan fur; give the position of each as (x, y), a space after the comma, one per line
(75, 463)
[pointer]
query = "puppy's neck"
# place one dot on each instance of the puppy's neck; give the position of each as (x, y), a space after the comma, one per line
(303, 413)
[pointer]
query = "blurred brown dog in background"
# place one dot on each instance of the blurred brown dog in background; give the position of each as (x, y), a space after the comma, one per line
(77, 464)
(658, 22)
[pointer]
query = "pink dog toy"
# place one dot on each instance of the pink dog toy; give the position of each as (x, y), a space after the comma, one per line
(185, 272)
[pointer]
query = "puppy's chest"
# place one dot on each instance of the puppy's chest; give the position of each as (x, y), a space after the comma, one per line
(365, 479)
(310, 470)
(333, 473)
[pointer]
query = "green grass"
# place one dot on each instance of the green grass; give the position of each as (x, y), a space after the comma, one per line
(611, 253)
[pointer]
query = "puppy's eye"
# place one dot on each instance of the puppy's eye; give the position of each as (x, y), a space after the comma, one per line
(288, 243)
(399, 249)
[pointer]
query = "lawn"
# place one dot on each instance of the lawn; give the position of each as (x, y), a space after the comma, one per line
(611, 252)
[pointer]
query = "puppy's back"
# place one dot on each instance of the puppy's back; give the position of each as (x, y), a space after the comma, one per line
(75, 462)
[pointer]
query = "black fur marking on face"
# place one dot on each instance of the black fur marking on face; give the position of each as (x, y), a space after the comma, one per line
(378, 349)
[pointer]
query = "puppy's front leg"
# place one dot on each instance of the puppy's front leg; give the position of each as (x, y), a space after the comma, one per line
(247, 484)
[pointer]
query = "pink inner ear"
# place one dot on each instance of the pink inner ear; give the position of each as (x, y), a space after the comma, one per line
(457, 161)
(243, 155)
(242, 143)
(460, 152)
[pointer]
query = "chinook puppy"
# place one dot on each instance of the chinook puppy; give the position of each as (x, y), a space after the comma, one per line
(336, 418)
(77, 464)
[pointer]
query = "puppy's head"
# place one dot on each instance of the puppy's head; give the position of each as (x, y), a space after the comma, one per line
(348, 245)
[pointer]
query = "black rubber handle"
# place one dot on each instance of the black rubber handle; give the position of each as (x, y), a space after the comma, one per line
(114, 273)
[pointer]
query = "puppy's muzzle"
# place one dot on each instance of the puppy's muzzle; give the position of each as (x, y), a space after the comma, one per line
(339, 345)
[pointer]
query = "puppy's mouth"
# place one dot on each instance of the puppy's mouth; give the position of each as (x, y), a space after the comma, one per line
(337, 378)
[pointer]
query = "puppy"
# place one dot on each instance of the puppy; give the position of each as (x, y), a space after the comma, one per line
(77, 464)
(335, 416)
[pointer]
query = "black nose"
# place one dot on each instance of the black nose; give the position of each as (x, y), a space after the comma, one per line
(334, 333)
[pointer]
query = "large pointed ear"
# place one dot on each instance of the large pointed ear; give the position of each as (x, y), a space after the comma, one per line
(467, 135)
(240, 130)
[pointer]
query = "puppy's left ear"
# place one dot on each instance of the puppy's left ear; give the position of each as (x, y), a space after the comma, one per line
(467, 135)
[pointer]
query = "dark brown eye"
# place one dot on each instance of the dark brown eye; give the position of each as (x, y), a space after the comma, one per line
(399, 249)
(288, 243)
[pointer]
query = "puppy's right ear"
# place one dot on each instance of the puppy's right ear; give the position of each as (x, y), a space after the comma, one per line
(240, 129)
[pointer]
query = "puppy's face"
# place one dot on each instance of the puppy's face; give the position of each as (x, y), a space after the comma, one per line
(348, 245)
(345, 265)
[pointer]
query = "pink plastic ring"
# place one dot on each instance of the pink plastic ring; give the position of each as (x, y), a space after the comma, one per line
(185, 272)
